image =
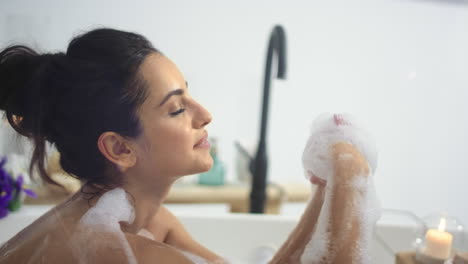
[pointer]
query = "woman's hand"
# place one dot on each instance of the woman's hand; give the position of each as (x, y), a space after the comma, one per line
(348, 163)
(316, 180)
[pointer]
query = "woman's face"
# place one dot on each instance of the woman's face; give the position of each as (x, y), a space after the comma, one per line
(174, 139)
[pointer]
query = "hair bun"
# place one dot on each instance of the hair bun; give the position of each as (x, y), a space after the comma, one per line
(17, 64)
(24, 74)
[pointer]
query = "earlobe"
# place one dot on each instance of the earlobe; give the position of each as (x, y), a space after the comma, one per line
(117, 150)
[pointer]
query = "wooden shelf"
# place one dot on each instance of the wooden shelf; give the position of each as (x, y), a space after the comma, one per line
(410, 258)
(237, 195)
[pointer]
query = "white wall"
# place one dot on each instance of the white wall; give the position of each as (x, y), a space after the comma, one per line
(401, 66)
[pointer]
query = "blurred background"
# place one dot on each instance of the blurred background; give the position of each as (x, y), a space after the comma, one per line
(399, 66)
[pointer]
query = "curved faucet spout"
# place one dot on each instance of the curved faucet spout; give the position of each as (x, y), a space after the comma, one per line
(276, 45)
(259, 165)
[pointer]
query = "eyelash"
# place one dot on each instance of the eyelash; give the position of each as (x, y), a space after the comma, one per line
(180, 111)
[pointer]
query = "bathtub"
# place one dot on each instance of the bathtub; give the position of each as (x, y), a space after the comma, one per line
(238, 237)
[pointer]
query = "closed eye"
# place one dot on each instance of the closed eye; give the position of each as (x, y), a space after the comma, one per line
(177, 112)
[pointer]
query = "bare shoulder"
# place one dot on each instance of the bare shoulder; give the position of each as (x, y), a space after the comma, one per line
(180, 238)
(149, 251)
(165, 221)
(165, 214)
(144, 250)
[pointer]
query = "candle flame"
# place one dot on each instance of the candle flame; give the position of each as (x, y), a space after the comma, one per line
(442, 224)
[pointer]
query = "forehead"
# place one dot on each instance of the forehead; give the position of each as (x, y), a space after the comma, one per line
(161, 74)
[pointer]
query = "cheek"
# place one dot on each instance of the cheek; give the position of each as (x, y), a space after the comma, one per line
(170, 146)
(175, 141)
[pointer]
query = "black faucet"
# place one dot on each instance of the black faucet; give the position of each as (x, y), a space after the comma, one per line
(259, 164)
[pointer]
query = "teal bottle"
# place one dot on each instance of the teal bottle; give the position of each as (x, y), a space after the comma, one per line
(215, 176)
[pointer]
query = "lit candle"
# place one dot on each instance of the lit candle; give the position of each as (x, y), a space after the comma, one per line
(438, 242)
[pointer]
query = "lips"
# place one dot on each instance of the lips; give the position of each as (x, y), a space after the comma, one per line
(203, 142)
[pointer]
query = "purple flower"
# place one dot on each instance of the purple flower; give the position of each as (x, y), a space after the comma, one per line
(20, 187)
(6, 189)
(3, 212)
(10, 190)
(3, 161)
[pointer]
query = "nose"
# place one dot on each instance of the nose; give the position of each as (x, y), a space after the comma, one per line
(202, 117)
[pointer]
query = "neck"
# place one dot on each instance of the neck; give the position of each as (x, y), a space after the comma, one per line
(146, 204)
(145, 201)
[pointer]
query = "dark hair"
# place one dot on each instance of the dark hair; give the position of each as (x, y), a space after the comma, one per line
(71, 99)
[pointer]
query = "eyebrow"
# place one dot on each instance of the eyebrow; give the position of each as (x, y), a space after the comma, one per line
(173, 92)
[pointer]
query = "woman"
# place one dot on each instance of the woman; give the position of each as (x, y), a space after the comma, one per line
(121, 116)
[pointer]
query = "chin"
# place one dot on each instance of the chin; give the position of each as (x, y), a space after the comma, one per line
(206, 166)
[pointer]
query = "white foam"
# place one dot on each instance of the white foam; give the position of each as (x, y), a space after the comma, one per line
(326, 131)
(317, 248)
(100, 228)
(145, 233)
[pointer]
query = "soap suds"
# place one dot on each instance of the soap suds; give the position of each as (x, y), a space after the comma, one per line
(100, 228)
(324, 133)
(328, 130)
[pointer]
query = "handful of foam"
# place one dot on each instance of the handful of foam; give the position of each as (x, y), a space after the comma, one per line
(327, 130)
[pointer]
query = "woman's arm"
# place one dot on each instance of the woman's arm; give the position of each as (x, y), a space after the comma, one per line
(348, 196)
(292, 249)
(343, 223)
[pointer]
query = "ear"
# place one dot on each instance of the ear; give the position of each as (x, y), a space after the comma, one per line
(117, 150)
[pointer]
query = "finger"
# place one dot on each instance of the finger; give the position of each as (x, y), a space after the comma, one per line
(316, 180)
(339, 120)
